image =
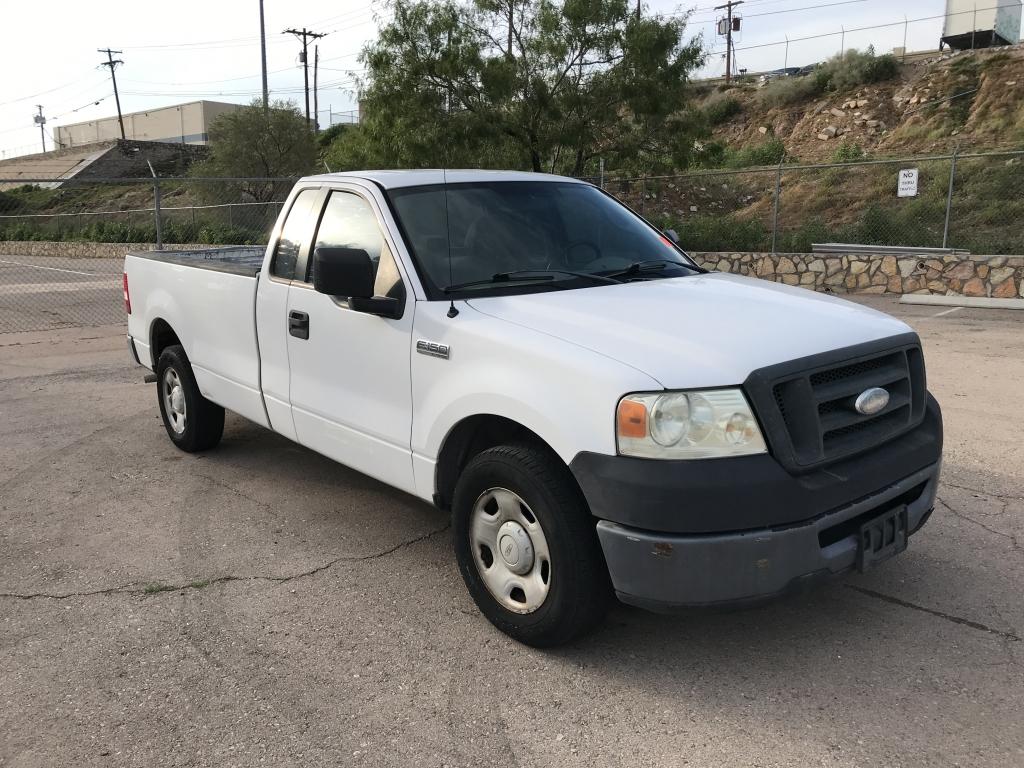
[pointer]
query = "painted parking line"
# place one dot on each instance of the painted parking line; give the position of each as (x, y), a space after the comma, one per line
(51, 269)
(23, 289)
(947, 311)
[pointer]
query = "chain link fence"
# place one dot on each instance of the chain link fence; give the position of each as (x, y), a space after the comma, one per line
(62, 244)
(967, 202)
(55, 270)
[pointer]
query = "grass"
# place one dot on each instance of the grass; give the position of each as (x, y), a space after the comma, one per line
(842, 72)
(156, 588)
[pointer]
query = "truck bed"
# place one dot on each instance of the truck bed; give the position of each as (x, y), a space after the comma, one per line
(244, 260)
(207, 298)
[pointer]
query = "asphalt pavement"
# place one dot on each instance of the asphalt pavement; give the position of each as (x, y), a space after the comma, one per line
(261, 605)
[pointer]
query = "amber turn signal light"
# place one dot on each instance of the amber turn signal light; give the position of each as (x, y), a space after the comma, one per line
(632, 419)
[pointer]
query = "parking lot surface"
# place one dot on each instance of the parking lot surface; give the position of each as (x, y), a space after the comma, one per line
(261, 605)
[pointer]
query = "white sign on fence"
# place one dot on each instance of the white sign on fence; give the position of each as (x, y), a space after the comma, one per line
(906, 186)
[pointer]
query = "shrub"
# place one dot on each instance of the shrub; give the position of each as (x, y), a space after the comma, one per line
(719, 109)
(854, 68)
(841, 72)
(788, 90)
(721, 233)
(769, 152)
(848, 153)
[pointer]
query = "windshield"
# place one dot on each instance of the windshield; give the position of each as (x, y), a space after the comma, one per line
(513, 229)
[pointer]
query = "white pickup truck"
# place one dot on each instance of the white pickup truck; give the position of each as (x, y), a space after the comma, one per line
(599, 414)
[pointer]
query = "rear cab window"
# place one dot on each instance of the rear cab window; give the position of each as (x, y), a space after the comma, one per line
(294, 231)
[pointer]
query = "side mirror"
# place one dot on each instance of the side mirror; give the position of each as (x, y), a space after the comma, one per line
(344, 272)
(349, 273)
(672, 235)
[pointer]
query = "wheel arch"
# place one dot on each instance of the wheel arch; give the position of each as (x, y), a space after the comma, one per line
(471, 435)
(161, 336)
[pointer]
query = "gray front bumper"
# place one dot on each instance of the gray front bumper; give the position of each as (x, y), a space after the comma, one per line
(660, 571)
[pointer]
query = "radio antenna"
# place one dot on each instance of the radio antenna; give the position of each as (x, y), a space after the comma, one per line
(452, 311)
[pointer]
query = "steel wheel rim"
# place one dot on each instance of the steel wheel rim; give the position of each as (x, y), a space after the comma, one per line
(510, 550)
(173, 395)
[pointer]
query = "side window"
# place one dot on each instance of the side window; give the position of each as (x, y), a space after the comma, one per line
(296, 225)
(349, 222)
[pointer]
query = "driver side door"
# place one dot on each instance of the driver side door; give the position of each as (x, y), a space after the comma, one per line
(350, 371)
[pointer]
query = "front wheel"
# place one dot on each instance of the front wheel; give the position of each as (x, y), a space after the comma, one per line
(192, 422)
(527, 548)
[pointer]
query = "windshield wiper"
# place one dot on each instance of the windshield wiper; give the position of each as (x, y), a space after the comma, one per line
(652, 265)
(529, 275)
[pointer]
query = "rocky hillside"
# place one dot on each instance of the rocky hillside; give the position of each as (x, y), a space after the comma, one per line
(974, 99)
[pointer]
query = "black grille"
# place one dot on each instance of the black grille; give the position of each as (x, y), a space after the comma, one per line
(812, 418)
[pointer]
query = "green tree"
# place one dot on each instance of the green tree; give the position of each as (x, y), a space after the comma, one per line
(253, 142)
(542, 84)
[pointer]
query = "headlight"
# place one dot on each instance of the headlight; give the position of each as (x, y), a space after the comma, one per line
(688, 425)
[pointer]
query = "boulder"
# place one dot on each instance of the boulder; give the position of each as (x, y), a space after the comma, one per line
(1004, 290)
(1000, 274)
(974, 287)
(962, 271)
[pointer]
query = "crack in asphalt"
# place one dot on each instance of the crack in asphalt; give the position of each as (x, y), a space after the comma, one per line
(1004, 497)
(133, 588)
(940, 614)
(964, 516)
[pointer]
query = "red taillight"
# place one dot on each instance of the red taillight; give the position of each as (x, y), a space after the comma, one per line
(127, 300)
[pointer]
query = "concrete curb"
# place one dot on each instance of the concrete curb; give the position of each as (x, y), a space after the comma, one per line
(976, 302)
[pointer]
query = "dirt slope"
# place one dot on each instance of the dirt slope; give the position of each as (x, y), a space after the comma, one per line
(975, 99)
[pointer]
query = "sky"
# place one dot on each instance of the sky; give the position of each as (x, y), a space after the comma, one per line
(189, 50)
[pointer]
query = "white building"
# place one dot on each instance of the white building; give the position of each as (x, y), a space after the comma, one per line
(183, 124)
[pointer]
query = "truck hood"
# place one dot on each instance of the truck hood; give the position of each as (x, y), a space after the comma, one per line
(702, 331)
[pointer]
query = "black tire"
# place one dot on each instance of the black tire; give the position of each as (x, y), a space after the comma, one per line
(201, 425)
(579, 592)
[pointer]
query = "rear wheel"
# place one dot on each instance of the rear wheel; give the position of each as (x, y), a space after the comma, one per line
(192, 422)
(527, 547)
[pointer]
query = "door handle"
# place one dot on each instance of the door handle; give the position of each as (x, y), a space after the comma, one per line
(298, 324)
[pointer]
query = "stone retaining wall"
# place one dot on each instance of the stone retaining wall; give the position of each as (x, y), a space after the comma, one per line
(999, 277)
(951, 275)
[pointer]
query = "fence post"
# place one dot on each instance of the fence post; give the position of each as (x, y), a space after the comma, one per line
(949, 196)
(643, 195)
(775, 203)
(59, 236)
(156, 209)
(601, 162)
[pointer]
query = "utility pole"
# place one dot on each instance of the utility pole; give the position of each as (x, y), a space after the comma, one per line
(112, 63)
(511, 15)
(316, 99)
(306, 35)
(40, 121)
(263, 55)
(728, 36)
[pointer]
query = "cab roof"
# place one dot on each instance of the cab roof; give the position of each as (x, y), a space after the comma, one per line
(416, 178)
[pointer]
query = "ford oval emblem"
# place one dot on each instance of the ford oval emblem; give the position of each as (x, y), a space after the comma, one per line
(871, 401)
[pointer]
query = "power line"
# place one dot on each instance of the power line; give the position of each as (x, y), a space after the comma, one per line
(112, 63)
(43, 93)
